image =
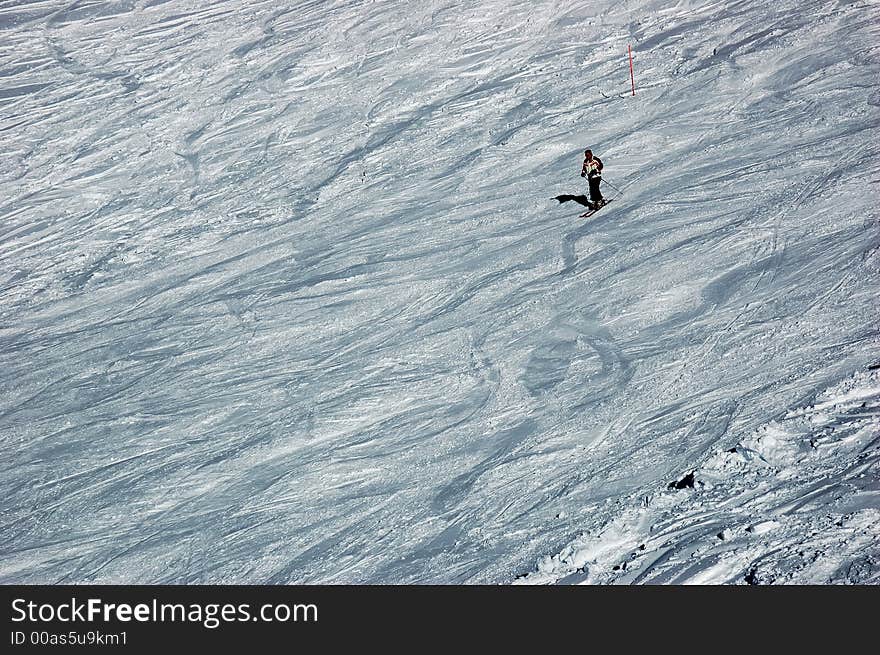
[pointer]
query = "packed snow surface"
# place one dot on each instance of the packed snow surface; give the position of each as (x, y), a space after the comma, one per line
(284, 297)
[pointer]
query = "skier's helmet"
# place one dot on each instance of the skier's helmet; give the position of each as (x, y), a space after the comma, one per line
(588, 152)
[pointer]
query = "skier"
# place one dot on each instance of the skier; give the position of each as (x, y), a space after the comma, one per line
(592, 170)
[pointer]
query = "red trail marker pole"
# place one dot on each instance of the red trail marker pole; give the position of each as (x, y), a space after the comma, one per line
(632, 77)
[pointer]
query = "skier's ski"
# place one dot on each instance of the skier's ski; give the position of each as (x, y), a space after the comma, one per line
(593, 211)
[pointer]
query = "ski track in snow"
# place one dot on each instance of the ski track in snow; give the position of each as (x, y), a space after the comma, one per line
(284, 298)
(796, 501)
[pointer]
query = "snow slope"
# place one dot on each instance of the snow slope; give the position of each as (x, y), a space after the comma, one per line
(284, 298)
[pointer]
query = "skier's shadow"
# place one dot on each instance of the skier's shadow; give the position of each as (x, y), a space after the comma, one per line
(582, 200)
(569, 254)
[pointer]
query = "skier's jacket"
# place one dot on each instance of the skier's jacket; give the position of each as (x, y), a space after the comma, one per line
(592, 167)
